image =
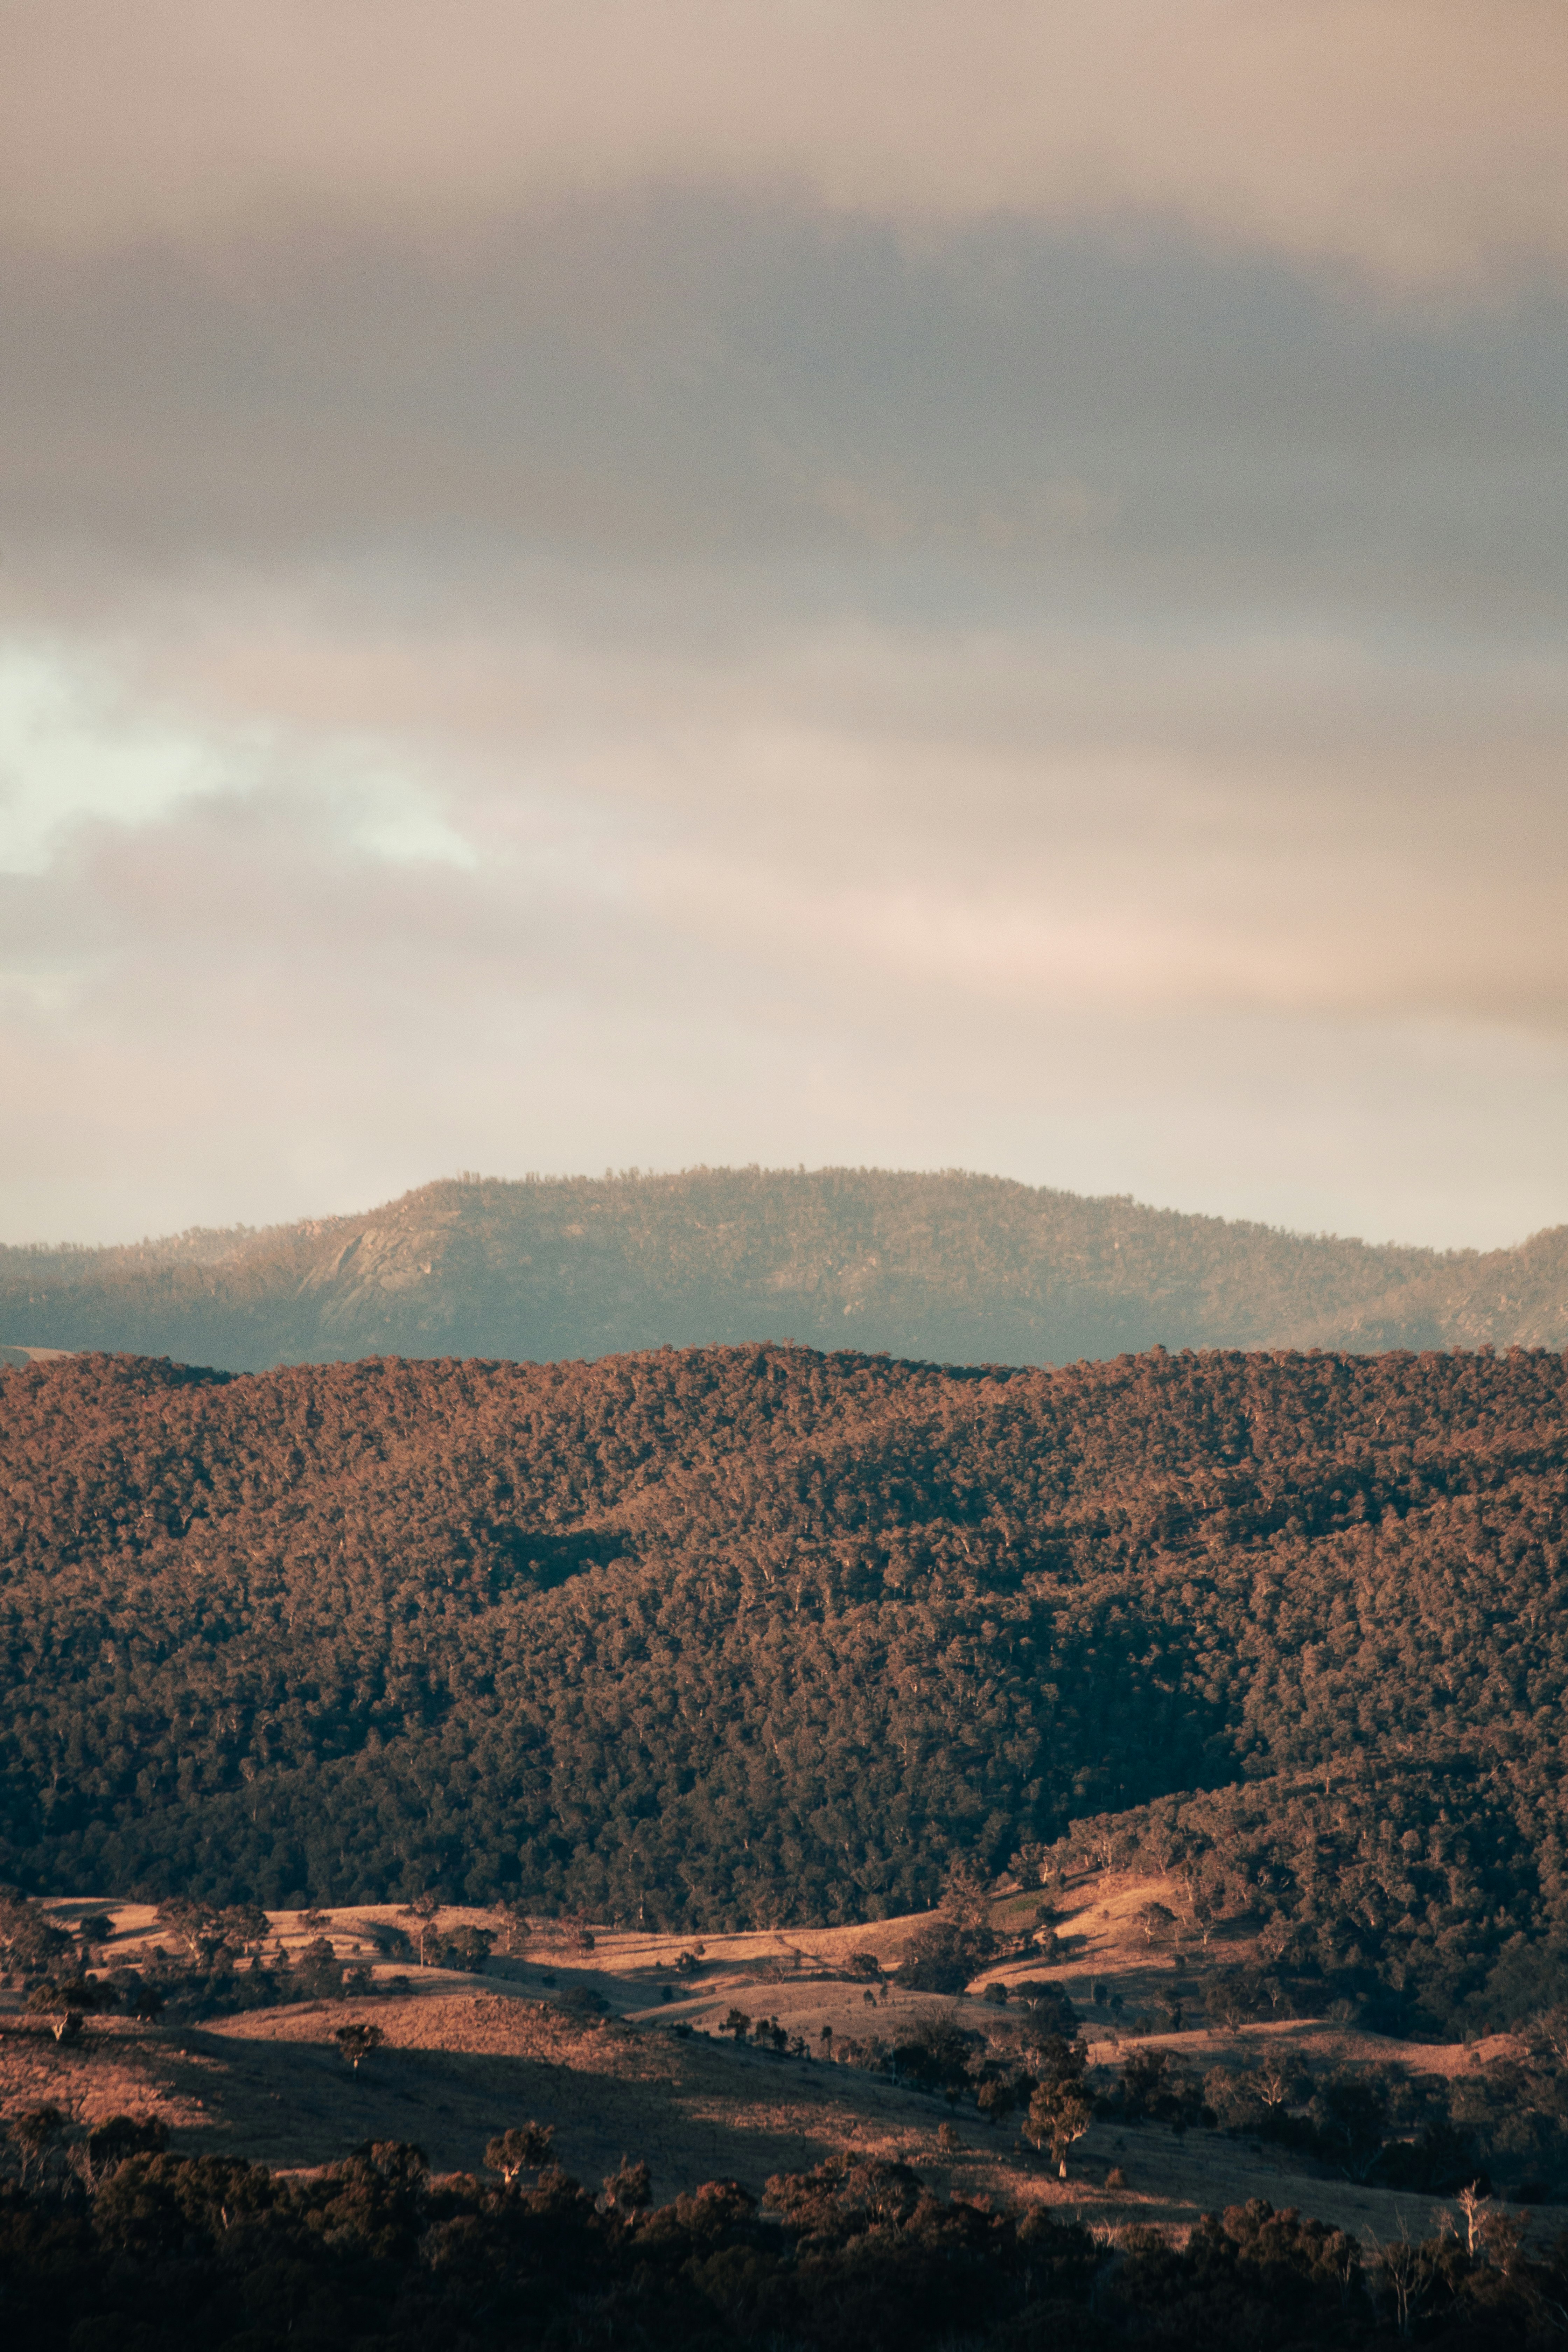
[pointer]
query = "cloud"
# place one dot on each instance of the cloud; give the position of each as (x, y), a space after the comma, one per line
(67, 757)
(1028, 807)
(847, 892)
(679, 384)
(605, 584)
(1417, 142)
(80, 751)
(261, 1024)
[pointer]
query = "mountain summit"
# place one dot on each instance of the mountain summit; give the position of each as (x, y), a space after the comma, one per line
(949, 1267)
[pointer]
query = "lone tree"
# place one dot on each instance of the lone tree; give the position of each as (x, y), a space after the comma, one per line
(629, 2190)
(35, 2131)
(425, 1910)
(997, 2099)
(518, 1928)
(526, 2147)
(1204, 1910)
(1353, 2117)
(966, 1897)
(146, 2002)
(1280, 2085)
(1059, 2114)
(97, 1928)
(66, 2004)
(109, 2143)
(1060, 2110)
(189, 1922)
(28, 1941)
(319, 1971)
(1031, 1866)
(208, 1933)
(357, 2041)
(1229, 2004)
(1049, 2015)
(1157, 1921)
(468, 1948)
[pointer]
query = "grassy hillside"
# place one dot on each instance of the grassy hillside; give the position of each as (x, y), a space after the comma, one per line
(952, 1268)
(586, 2039)
(753, 1636)
(769, 2140)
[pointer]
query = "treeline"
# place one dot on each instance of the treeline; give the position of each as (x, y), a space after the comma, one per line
(140, 2247)
(949, 1267)
(750, 1635)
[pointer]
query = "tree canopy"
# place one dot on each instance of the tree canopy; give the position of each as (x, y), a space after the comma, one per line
(741, 1635)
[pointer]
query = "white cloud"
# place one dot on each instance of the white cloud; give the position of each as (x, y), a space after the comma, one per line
(71, 754)
(78, 750)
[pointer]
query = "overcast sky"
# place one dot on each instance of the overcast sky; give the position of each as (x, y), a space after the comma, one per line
(965, 584)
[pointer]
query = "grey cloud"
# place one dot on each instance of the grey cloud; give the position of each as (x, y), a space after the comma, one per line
(1418, 141)
(694, 383)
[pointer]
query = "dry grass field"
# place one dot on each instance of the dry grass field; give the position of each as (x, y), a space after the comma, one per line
(466, 2055)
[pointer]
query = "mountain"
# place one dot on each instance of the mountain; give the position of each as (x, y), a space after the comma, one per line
(733, 1636)
(952, 1268)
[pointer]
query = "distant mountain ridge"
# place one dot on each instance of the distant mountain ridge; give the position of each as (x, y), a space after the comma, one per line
(948, 1267)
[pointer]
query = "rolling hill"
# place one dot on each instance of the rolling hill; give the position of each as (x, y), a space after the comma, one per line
(952, 1268)
(742, 1636)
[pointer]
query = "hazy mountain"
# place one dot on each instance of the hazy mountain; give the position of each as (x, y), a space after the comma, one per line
(950, 1268)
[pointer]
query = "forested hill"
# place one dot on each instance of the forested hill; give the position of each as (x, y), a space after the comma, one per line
(954, 1268)
(752, 1635)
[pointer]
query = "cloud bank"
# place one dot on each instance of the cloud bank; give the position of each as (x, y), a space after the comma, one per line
(1416, 141)
(596, 585)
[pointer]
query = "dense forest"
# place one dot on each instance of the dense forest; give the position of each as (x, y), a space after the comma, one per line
(951, 1268)
(753, 1636)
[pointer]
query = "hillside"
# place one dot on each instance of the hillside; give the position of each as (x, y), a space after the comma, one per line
(751, 1636)
(951, 1268)
(772, 2140)
(667, 2078)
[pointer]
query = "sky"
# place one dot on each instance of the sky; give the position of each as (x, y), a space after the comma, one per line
(588, 585)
